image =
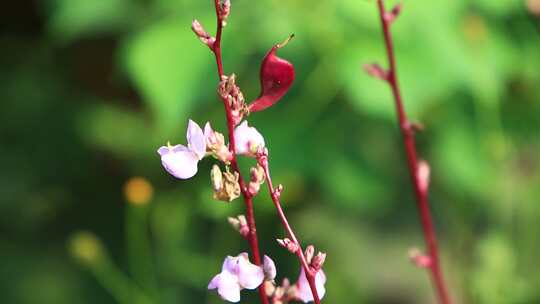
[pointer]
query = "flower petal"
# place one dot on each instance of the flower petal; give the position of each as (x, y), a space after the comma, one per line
(230, 265)
(250, 276)
(304, 291)
(163, 150)
(227, 286)
(269, 268)
(180, 164)
(247, 138)
(196, 139)
(208, 131)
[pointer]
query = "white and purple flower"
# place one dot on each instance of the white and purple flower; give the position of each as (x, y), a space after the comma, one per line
(248, 139)
(181, 161)
(239, 273)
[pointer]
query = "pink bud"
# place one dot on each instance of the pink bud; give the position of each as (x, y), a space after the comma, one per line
(318, 261)
(291, 246)
(376, 71)
(392, 15)
(224, 10)
(309, 252)
(277, 76)
(419, 259)
(198, 29)
(422, 175)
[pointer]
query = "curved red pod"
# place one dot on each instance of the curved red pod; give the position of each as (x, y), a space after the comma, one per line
(277, 76)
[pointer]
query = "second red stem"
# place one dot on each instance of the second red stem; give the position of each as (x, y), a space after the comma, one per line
(412, 161)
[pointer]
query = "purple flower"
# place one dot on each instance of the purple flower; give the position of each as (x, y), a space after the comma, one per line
(304, 291)
(181, 161)
(236, 274)
(248, 139)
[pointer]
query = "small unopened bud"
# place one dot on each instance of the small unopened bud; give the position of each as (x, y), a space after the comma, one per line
(392, 15)
(239, 224)
(278, 190)
(419, 259)
(217, 178)
(318, 261)
(309, 252)
(291, 246)
(202, 34)
(253, 188)
(224, 11)
(376, 71)
(235, 223)
(422, 174)
(257, 174)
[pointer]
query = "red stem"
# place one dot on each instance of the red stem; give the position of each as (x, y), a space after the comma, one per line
(252, 236)
(310, 274)
(412, 160)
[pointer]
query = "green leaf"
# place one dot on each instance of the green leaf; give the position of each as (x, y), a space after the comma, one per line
(69, 19)
(166, 62)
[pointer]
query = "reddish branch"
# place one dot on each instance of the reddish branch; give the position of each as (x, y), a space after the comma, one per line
(252, 236)
(407, 130)
(275, 194)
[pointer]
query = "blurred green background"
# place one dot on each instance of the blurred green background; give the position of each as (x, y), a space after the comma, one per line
(90, 89)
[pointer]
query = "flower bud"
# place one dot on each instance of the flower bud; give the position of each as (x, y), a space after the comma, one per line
(224, 11)
(318, 261)
(376, 71)
(392, 15)
(291, 246)
(276, 76)
(419, 259)
(217, 178)
(202, 34)
(422, 175)
(309, 252)
(215, 144)
(239, 224)
(231, 94)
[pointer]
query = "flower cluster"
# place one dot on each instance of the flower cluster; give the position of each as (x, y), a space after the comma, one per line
(238, 273)
(181, 161)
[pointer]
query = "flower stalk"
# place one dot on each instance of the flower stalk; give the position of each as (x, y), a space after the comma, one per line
(419, 170)
(275, 194)
(215, 46)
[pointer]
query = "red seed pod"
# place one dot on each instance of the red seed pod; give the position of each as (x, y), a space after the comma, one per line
(277, 76)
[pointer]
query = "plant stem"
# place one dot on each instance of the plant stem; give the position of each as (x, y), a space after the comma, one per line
(410, 147)
(250, 216)
(310, 274)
